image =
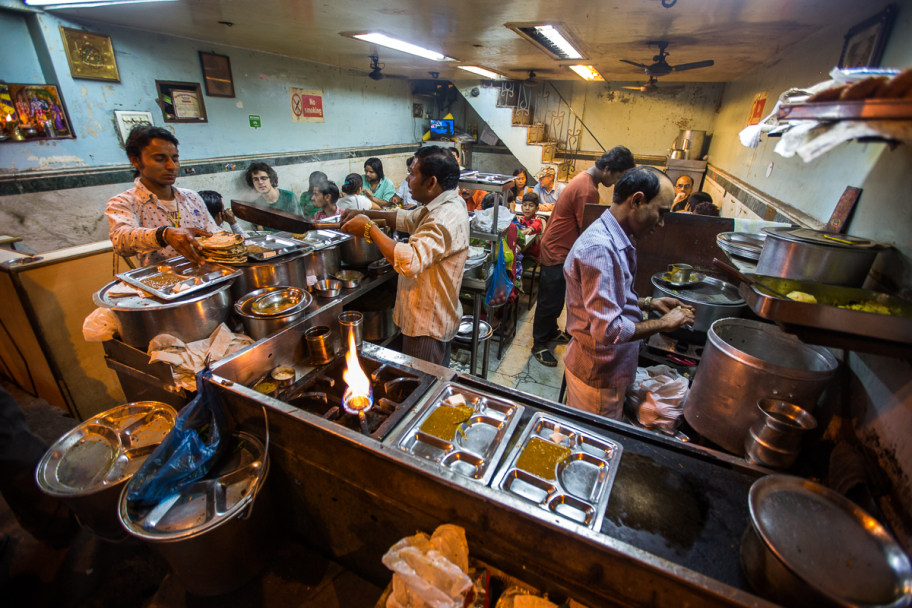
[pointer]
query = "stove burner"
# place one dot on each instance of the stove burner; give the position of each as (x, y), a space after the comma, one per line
(395, 390)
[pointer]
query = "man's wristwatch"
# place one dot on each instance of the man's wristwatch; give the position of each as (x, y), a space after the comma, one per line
(160, 235)
(367, 230)
(647, 303)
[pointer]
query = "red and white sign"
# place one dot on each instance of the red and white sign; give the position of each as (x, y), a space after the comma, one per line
(306, 105)
(756, 111)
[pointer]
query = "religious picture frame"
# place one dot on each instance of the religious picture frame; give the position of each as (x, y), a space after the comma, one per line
(33, 112)
(217, 74)
(864, 44)
(89, 55)
(181, 101)
(128, 119)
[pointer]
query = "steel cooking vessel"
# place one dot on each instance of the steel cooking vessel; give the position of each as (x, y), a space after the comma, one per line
(711, 299)
(790, 258)
(258, 326)
(745, 361)
(290, 270)
(357, 252)
(192, 318)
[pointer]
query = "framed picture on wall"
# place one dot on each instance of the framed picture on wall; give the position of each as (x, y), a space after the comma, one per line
(33, 112)
(91, 56)
(217, 74)
(181, 101)
(127, 119)
(864, 43)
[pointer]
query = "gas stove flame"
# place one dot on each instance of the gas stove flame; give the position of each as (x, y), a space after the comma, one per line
(357, 397)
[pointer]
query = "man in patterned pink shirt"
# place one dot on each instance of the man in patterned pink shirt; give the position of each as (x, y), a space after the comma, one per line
(154, 220)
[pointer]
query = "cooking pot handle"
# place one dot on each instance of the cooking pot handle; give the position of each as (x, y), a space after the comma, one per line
(256, 490)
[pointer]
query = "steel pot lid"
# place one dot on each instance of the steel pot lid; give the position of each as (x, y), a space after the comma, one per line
(830, 543)
(278, 303)
(464, 333)
(104, 299)
(707, 291)
(244, 306)
(221, 495)
(817, 237)
(104, 450)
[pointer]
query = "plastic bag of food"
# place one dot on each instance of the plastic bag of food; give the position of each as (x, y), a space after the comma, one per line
(429, 571)
(656, 398)
(100, 326)
(500, 285)
(484, 219)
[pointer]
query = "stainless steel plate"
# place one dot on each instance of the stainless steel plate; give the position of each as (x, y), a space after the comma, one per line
(582, 481)
(184, 272)
(464, 333)
(276, 244)
(476, 451)
(320, 239)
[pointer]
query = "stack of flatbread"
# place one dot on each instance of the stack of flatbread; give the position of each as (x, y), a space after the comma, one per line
(224, 248)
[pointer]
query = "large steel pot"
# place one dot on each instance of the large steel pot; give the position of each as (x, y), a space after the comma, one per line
(220, 531)
(192, 318)
(89, 466)
(806, 545)
(290, 270)
(323, 263)
(743, 362)
(357, 252)
(711, 299)
(378, 325)
(259, 326)
(790, 258)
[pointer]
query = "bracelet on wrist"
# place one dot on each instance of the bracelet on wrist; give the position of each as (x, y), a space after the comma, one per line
(160, 236)
(367, 231)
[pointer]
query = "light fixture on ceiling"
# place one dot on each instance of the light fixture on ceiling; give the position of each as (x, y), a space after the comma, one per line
(52, 4)
(551, 33)
(552, 38)
(481, 72)
(400, 45)
(587, 72)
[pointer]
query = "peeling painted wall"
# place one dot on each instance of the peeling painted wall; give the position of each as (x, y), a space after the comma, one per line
(359, 111)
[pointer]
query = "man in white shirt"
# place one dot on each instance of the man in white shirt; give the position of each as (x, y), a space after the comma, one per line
(154, 220)
(431, 264)
(546, 189)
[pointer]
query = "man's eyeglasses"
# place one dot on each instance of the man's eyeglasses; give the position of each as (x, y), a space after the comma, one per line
(260, 179)
(683, 186)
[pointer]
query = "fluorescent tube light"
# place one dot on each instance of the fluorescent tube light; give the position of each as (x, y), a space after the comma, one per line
(559, 41)
(52, 4)
(480, 72)
(587, 72)
(399, 45)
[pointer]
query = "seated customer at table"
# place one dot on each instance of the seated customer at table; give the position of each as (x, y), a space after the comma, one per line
(530, 224)
(351, 195)
(689, 204)
(308, 209)
(684, 186)
(263, 178)
(473, 198)
(546, 189)
(325, 197)
(153, 220)
(403, 197)
(706, 208)
(377, 187)
(218, 212)
(521, 184)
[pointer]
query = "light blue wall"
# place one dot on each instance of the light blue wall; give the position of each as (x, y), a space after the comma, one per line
(358, 111)
(20, 64)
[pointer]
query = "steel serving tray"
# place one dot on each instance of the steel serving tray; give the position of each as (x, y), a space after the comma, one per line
(321, 239)
(826, 324)
(275, 244)
(583, 479)
(476, 454)
(193, 276)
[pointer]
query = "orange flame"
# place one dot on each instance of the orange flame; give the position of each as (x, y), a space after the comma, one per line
(357, 396)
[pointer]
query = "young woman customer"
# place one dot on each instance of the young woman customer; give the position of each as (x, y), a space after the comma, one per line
(377, 188)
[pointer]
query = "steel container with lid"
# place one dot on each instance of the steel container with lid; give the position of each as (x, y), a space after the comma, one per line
(745, 361)
(285, 270)
(711, 299)
(807, 255)
(88, 467)
(216, 533)
(266, 311)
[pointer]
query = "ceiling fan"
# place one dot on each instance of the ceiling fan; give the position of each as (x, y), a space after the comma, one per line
(652, 87)
(661, 67)
(376, 67)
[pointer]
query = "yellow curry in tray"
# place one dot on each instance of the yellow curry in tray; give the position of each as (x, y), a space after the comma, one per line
(445, 421)
(864, 306)
(540, 458)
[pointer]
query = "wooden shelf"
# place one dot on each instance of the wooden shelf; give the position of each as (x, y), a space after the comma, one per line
(869, 109)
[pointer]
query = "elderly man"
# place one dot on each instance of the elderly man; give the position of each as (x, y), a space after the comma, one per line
(604, 314)
(683, 189)
(546, 190)
(153, 220)
(563, 229)
(431, 263)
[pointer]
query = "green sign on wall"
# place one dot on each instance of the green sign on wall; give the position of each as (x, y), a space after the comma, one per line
(255, 122)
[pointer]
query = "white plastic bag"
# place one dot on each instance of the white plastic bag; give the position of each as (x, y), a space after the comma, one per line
(100, 326)
(656, 398)
(484, 219)
(429, 571)
(188, 359)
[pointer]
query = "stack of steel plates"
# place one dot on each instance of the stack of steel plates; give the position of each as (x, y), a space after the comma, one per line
(741, 244)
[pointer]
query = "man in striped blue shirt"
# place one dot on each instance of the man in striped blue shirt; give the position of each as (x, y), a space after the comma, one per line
(604, 315)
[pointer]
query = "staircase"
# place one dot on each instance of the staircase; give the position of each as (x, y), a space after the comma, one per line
(536, 124)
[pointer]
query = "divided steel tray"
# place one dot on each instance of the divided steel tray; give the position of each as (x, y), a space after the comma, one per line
(583, 480)
(321, 239)
(476, 451)
(275, 244)
(826, 324)
(182, 272)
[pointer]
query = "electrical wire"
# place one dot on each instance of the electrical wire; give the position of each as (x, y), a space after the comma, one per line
(28, 370)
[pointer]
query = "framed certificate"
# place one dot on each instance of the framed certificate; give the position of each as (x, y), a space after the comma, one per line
(181, 101)
(217, 74)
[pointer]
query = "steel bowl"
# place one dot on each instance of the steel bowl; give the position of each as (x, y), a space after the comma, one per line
(381, 266)
(258, 327)
(357, 252)
(350, 279)
(327, 288)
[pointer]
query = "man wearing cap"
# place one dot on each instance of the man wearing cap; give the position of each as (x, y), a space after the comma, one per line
(546, 189)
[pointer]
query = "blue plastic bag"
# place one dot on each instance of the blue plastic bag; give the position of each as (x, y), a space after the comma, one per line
(500, 286)
(188, 452)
